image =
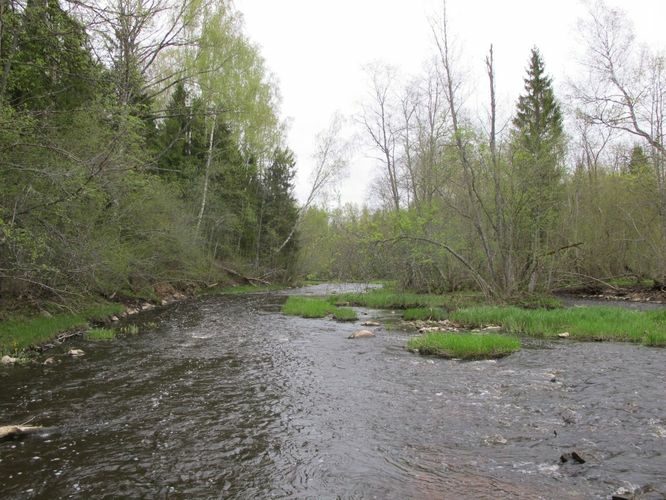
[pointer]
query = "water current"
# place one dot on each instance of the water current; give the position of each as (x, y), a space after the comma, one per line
(227, 398)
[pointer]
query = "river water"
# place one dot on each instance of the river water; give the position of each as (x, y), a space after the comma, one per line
(227, 398)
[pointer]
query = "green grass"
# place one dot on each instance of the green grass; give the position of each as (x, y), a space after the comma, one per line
(582, 323)
(424, 314)
(308, 307)
(345, 314)
(388, 299)
(20, 333)
(101, 334)
(464, 346)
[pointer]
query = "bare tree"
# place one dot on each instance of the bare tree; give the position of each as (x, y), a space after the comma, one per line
(625, 90)
(331, 159)
(379, 121)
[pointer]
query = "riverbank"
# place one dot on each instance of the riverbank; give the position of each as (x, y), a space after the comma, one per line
(43, 326)
(280, 404)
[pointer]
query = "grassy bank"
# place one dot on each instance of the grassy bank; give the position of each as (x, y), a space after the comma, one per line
(464, 346)
(582, 323)
(424, 314)
(389, 299)
(17, 334)
(307, 307)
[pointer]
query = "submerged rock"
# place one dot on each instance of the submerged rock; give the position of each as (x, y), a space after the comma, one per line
(359, 334)
(49, 361)
(370, 323)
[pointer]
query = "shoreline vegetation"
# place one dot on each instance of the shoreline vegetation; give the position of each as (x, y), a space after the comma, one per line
(457, 325)
(30, 329)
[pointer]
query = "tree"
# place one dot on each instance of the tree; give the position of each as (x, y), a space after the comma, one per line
(378, 120)
(538, 150)
(625, 90)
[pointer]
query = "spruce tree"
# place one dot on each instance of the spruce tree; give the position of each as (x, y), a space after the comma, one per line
(538, 150)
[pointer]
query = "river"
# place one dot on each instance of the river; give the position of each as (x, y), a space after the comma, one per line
(226, 398)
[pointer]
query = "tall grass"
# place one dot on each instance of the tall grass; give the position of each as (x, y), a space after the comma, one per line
(424, 314)
(388, 299)
(583, 323)
(465, 345)
(101, 334)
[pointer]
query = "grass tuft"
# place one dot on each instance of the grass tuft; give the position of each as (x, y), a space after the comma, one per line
(425, 314)
(582, 323)
(345, 314)
(101, 334)
(464, 346)
(308, 307)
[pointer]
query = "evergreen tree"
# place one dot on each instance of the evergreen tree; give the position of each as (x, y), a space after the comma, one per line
(538, 150)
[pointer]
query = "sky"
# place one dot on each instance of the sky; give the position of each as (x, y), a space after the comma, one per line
(317, 50)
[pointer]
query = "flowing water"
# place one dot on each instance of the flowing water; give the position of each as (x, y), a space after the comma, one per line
(226, 398)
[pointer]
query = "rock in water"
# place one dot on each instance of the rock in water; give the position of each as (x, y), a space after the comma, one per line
(76, 352)
(370, 323)
(8, 360)
(361, 334)
(573, 457)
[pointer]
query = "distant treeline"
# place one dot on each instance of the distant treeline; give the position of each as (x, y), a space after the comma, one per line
(562, 192)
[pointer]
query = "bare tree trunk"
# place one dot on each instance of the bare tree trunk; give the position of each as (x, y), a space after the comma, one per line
(209, 157)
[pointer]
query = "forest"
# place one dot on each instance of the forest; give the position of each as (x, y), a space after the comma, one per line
(141, 143)
(566, 191)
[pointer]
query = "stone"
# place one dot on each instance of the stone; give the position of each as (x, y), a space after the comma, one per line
(147, 306)
(8, 360)
(49, 361)
(370, 323)
(359, 334)
(115, 318)
(563, 335)
(76, 352)
(573, 457)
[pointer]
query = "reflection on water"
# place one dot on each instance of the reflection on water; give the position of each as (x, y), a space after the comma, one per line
(227, 398)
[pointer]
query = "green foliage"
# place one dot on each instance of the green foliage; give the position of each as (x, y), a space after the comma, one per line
(101, 182)
(465, 346)
(344, 314)
(582, 323)
(101, 334)
(386, 299)
(308, 307)
(424, 314)
(20, 333)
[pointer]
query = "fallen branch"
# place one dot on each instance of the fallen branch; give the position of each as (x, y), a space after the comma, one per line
(16, 431)
(249, 279)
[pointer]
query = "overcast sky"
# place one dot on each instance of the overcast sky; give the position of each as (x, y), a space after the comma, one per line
(316, 49)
